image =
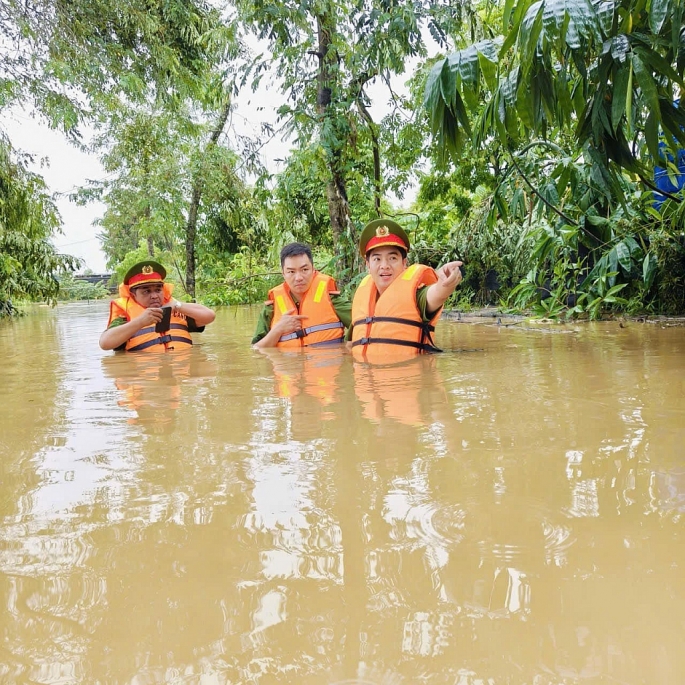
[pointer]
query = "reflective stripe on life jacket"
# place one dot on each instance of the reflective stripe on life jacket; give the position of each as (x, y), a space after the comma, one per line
(389, 328)
(147, 339)
(325, 328)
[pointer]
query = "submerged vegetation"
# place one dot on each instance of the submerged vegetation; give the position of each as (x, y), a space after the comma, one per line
(535, 139)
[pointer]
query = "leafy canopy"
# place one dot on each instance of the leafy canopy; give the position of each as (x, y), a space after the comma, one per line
(607, 70)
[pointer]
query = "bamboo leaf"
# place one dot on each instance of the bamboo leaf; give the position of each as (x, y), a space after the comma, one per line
(673, 121)
(620, 48)
(525, 103)
(623, 257)
(658, 63)
(432, 99)
(448, 83)
(629, 101)
(531, 26)
(618, 98)
(647, 85)
(658, 11)
(506, 15)
(612, 259)
(605, 15)
(570, 20)
(508, 87)
(487, 61)
(513, 33)
(652, 134)
(648, 270)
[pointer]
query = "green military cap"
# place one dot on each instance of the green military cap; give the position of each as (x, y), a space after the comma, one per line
(381, 232)
(143, 273)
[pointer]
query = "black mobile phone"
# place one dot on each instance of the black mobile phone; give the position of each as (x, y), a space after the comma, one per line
(165, 323)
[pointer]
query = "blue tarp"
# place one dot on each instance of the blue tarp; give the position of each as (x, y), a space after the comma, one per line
(665, 182)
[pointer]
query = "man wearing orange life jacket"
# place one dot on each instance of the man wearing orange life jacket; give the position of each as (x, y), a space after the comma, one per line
(306, 310)
(134, 316)
(396, 307)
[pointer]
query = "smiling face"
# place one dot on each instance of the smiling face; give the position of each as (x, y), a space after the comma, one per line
(298, 273)
(385, 264)
(149, 295)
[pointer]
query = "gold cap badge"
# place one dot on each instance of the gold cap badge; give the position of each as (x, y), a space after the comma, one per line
(382, 231)
(147, 269)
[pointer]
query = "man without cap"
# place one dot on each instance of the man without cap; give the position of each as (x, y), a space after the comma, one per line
(396, 307)
(144, 300)
(306, 310)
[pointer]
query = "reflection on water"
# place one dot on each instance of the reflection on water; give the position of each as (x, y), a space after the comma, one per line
(507, 512)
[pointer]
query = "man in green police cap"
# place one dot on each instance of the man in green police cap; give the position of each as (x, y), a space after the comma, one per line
(396, 306)
(146, 318)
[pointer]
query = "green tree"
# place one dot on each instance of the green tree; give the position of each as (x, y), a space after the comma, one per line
(64, 58)
(325, 56)
(576, 94)
(170, 174)
(28, 218)
(606, 71)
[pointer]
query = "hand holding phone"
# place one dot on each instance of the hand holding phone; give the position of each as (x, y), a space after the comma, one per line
(165, 323)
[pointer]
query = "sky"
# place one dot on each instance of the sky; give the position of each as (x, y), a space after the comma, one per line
(66, 168)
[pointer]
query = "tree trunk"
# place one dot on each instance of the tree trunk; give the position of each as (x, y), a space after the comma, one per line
(377, 184)
(336, 188)
(191, 232)
(196, 197)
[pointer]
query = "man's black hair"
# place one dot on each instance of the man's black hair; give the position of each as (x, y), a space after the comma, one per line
(295, 250)
(402, 251)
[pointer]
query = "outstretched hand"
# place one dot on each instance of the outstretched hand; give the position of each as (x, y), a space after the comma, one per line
(449, 275)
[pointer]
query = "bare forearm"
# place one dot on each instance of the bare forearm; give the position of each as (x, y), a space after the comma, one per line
(202, 315)
(437, 296)
(269, 340)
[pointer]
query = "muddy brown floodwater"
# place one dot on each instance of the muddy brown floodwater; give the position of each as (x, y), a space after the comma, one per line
(509, 512)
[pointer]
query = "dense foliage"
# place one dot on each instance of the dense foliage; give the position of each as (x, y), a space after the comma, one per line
(580, 97)
(29, 264)
(531, 142)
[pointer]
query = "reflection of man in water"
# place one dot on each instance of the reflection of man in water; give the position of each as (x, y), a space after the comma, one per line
(135, 315)
(309, 381)
(396, 306)
(152, 387)
(411, 393)
(306, 309)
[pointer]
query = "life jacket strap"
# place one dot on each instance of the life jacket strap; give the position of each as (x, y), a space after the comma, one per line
(303, 332)
(162, 340)
(328, 343)
(428, 328)
(424, 347)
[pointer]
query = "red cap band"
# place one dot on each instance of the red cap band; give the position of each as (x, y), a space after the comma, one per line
(391, 239)
(140, 279)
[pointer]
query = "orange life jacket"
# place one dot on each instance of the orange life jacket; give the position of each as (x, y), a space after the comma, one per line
(147, 339)
(322, 325)
(389, 328)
